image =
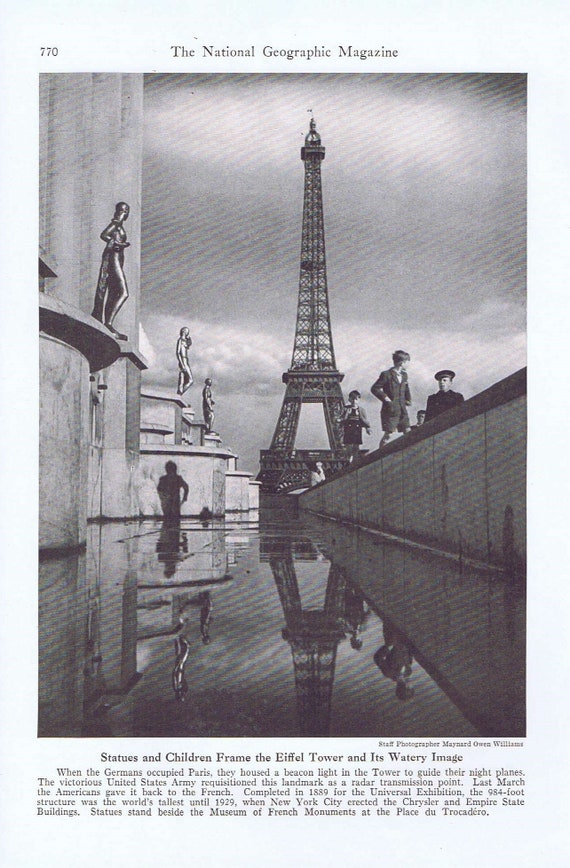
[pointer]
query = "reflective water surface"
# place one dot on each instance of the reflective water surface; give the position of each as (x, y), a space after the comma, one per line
(283, 626)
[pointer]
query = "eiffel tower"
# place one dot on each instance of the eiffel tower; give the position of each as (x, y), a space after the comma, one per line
(313, 377)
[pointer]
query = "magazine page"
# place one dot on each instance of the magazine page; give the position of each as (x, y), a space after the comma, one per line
(300, 539)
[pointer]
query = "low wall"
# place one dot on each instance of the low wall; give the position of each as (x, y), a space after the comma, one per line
(457, 483)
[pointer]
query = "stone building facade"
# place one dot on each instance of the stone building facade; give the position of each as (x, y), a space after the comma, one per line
(91, 139)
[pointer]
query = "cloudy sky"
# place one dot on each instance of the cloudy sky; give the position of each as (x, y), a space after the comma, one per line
(424, 190)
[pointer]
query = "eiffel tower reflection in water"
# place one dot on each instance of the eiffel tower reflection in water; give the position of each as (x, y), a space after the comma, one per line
(280, 628)
(313, 634)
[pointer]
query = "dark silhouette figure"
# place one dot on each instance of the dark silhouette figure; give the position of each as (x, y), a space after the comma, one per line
(206, 515)
(169, 487)
(172, 545)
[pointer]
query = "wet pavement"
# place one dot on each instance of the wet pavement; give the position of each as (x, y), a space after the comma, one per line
(278, 626)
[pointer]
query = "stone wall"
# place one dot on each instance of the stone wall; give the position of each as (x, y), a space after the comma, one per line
(204, 470)
(457, 483)
(63, 444)
(90, 155)
(465, 628)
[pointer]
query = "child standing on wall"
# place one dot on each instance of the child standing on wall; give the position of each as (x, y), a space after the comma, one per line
(353, 420)
(393, 390)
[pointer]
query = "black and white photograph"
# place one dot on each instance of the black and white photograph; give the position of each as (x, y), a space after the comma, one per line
(282, 542)
(282, 482)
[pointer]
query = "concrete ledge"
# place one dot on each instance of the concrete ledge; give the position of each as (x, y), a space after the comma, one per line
(75, 328)
(86, 334)
(156, 428)
(499, 393)
(170, 449)
(457, 484)
(165, 396)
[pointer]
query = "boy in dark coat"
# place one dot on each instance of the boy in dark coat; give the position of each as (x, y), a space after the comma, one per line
(446, 398)
(392, 389)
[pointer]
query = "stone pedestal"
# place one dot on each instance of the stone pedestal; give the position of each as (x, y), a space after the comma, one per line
(237, 491)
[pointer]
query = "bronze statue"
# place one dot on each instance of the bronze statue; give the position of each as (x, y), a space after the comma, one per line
(183, 344)
(112, 291)
(208, 405)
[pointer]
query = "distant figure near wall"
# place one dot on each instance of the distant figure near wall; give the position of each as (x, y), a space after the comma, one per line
(317, 474)
(446, 398)
(112, 291)
(420, 419)
(208, 405)
(169, 487)
(183, 344)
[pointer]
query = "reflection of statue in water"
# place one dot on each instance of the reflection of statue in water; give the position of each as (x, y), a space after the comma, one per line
(112, 292)
(208, 405)
(181, 651)
(183, 344)
(182, 643)
(169, 487)
(205, 616)
(394, 659)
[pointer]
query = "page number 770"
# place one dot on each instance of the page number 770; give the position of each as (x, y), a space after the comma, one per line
(48, 52)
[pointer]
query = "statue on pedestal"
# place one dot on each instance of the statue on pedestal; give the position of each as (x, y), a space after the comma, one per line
(112, 291)
(185, 378)
(208, 405)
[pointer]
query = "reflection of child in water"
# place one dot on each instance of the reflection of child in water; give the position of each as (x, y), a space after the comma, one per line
(355, 613)
(394, 659)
